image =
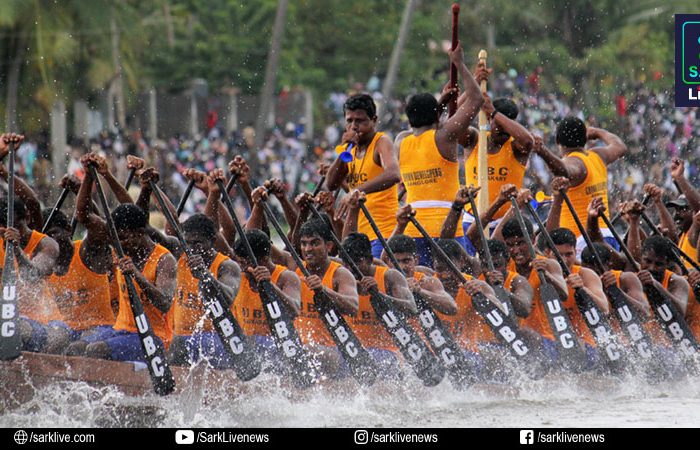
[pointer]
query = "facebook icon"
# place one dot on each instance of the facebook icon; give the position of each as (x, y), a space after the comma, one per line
(527, 436)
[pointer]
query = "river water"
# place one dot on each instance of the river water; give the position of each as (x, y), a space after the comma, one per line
(559, 400)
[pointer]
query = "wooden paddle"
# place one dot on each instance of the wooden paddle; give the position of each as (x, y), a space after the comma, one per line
(10, 339)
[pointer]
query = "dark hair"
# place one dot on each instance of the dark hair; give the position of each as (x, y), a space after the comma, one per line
(603, 251)
(451, 248)
(358, 246)
(20, 210)
(563, 236)
(362, 102)
(316, 227)
(259, 243)
(498, 248)
(402, 244)
(200, 224)
(422, 110)
(571, 132)
(130, 217)
(512, 228)
(660, 245)
(59, 220)
(507, 107)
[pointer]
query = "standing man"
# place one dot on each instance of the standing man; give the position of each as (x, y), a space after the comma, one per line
(428, 157)
(374, 168)
(587, 171)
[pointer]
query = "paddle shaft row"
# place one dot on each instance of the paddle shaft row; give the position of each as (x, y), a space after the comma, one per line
(281, 325)
(426, 365)
(361, 363)
(235, 343)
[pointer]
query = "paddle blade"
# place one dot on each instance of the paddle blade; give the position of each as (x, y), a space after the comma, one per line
(10, 340)
(571, 356)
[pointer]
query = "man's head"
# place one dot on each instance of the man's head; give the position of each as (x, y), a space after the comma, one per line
(515, 241)
(315, 242)
(260, 245)
(422, 110)
(682, 213)
(19, 209)
(360, 115)
(200, 233)
(358, 246)
(565, 241)
(59, 228)
(457, 255)
(571, 133)
(657, 256)
(130, 222)
(508, 108)
(405, 251)
(499, 254)
(588, 261)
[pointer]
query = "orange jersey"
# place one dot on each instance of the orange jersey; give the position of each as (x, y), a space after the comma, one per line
(161, 323)
(382, 204)
(431, 182)
(467, 326)
(594, 185)
(188, 308)
(504, 168)
(366, 324)
(692, 314)
(575, 316)
(82, 295)
(248, 307)
(308, 324)
(36, 302)
(688, 248)
(537, 320)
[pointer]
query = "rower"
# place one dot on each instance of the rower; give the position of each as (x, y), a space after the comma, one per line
(153, 268)
(195, 338)
(340, 287)
(42, 328)
(248, 307)
(471, 333)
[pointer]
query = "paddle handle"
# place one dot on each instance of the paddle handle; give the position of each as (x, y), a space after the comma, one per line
(185, 196)
(239, 229)
(482, 234)
(596, 257)
(438, 251)
(56, 207)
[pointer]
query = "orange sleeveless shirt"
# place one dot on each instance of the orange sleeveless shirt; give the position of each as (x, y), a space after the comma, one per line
(161, 323)
(248, 308)
(431, 182)
(383, 204)
(82, 295)
(467, 326)
(308, 324)
(504, 168)
(36, 301)
(366, 324)
(188, 308)
(594, 185)
(537, 320)
(577, 320)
